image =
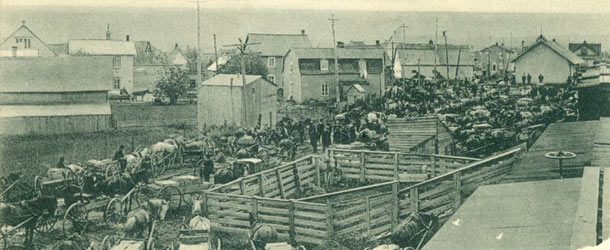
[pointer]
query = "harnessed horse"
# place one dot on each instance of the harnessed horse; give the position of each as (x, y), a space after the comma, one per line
(13, 214)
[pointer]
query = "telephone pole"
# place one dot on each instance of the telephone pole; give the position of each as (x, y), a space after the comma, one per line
(216, 55)
(404, 34)
(435, 44)
(198, 47)
(338, 84)
(446, 53)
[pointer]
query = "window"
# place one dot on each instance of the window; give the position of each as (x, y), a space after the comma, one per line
(116, 83)
(116, 62)
(271, 62)
(271, 78)
(324, 89)
(28, 43)
(324, 65)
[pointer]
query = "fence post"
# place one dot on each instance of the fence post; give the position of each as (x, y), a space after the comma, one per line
(395, 166)
(317, 174)
(329, 220)
(394, 204)
(242, 186)
(457, 181)
(297, 180)
(291, 230)
(368, 215)
(280, 184)
(204, 199)
(414, 193)
(362, 166)
(261, 188)
(255, 206)
(433, 166)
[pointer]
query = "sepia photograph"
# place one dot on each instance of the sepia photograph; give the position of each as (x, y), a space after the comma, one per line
(304, 124)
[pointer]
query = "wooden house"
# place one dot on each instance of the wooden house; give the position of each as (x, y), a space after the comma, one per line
(309, 73)
(53, 95)
(590, 52)
(24, 43)
(223, 99)
(425, 58)
(494, 59)
(272, 48)
(549, 60)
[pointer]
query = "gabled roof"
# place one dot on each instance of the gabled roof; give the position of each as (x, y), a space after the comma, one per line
(101, 47)
(236, 79)
(411, 53)
(342, 53)
(276, 44)
(59, 48)
(541, 41)
(31, 32)
(497, 46)
(172, 55)
(55, 74)
(597, 47)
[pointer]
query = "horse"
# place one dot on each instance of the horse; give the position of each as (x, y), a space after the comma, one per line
(261, 234)
(137, 222)
(224, 175)
(158, 208)
(415, 231)
(12, 214)
(74, 242)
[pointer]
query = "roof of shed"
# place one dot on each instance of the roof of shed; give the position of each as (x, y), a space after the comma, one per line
(342, 53)
(55, 74)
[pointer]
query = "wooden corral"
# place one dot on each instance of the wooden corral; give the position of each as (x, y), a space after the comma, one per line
(369, 211)
(553, 214)
(424, 135)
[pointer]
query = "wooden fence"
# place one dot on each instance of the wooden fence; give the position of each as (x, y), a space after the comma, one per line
(363, 211)
(388, 166)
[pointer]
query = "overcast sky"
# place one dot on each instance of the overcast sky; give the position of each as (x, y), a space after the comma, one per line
(538, 6)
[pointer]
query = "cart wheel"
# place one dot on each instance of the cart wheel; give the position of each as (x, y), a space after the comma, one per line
(113, 215)
(142, 195)
(151, 244)
(76, 219)
(37, 183)
(107, 243)
(171, 194)
(111, 170)
(45, 222)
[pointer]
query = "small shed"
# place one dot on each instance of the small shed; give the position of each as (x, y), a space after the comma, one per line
(354, 92)
(223, 99)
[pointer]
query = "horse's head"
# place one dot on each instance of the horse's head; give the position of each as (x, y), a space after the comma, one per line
(197, 208)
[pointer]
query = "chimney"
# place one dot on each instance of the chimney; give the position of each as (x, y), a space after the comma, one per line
(340, 44)
(496, 43)
(431, 42)
(231, 81)
(502, 44)
(554, 40)
(108, 32)
(127, 38)
(176, 46)
(302, 32)
(14, 51)
(377, 42)
(522, 44)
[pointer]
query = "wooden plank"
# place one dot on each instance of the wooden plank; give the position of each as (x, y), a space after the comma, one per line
(281, 185)
(274, 219)
(585, 223)
(606, 205)
(321, 225)
(275, 211)
(307, 239)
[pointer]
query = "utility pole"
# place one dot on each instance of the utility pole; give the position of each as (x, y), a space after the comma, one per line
(241, 46)
(446, 53)
(216, 55)
(339, 85)
(435, 45)
(198, 48)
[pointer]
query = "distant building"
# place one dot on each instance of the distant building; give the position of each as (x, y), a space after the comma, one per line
(309, 73)
(272, 48)
(494, 59)
(424, 58)
(547, 59)
(594, 93)
(55, 95)
(24, 43)
(220, 101)
(590, 52)
(176, 57)
(123, 53)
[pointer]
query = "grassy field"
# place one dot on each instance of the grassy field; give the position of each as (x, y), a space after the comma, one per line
(31, 155)
(147, 112)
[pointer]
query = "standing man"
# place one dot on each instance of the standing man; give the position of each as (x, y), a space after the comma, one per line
(540, 79)
(208, 168)
(119, 156)
(529, 78)
(523, 78)
(314, 136)
(325, 138)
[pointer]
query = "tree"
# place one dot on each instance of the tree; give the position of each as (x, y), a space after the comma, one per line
(254, 65)
(173, 83)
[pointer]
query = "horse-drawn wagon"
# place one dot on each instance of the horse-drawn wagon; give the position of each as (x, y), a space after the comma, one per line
(32, 215)
(195, 150)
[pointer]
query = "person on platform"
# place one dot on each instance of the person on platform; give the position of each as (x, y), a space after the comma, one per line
(314, 137)
(523, 78)
(325, 138)
(529, 78)
(208, 168)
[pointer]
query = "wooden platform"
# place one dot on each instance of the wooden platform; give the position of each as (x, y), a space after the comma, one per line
(552, 214)
(576, 137)
(524, 215)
